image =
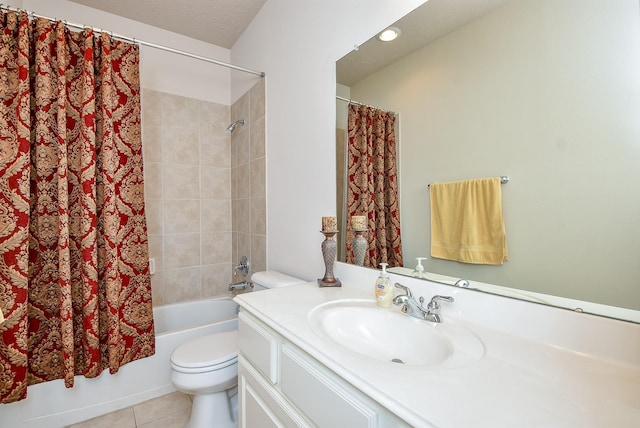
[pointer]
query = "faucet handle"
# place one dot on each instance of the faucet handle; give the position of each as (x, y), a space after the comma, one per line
(404, 288)
(402, 299)
(434, 305)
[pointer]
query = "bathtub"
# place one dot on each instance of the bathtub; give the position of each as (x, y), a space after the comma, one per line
(50, 404)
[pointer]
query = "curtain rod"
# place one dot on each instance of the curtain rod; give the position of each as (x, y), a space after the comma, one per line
(139, 42)
(338, 97)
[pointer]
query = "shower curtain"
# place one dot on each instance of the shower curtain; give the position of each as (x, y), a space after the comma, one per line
(74, 280)
(372, 186)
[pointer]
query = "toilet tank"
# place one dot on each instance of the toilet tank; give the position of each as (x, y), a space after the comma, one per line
(272, 279)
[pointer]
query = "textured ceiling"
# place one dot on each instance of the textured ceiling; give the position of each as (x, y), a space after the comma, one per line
(219, 22)
(432, 20)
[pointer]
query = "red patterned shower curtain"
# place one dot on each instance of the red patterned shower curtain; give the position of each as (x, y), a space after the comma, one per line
(74, 280)
(372, 187)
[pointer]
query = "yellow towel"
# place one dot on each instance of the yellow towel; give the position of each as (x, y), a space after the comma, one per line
(466, 221)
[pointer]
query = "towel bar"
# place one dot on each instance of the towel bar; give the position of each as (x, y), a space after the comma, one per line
(503, 180)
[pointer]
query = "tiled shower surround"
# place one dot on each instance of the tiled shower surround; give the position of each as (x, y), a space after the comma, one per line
(204, 192)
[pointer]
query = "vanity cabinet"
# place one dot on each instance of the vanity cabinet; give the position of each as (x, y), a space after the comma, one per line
(280, 385)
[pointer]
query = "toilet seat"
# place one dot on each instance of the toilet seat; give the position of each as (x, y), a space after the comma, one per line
(207, 353)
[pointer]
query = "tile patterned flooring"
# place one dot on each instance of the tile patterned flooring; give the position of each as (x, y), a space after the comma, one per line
(169, 411)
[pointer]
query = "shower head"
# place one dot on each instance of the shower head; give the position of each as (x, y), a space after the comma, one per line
(235, 124)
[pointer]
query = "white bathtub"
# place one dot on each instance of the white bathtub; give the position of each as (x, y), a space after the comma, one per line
(50, 404)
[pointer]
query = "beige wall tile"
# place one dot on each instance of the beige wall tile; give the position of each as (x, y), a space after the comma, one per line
(151, 143)
(190, 186)
(181, 144)
(181, 182)
(181, 250)
(151, 108)
(241, 109)
(257, 139)
(152, 180)
(156, 250)
(257, 177)
(257, 100)
(234, 246)
(243, 181)
(216, 279)
(241, 139)
(244, 246)
(216, 215)
(181, 216)
(215, 183)
(258, 215)
(182, 284)
(154, 213)
(243, 215)
(215, 149)
(215, 248)
(258, 252)
(213, 118)
(179, 111)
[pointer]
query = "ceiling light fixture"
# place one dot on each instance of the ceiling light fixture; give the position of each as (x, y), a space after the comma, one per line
(389, 34)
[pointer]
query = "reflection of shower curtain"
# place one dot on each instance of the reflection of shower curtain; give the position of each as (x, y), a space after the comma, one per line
(74, 280)
(372, 188)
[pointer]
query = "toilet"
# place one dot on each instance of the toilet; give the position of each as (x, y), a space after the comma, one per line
(207, 367)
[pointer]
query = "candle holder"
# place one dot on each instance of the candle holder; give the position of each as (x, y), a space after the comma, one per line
(329, 252)
(359, 245)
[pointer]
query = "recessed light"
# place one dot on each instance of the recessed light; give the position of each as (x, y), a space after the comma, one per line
(389, 34)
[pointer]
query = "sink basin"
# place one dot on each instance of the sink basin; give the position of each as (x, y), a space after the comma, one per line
(360, 327)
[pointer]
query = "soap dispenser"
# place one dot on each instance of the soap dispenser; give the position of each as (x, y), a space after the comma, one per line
(418, 272)
(384, 290)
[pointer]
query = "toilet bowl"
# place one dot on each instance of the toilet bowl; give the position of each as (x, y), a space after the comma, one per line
(207, 367)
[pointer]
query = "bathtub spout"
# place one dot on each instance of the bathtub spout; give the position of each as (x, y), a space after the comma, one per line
(242, 285)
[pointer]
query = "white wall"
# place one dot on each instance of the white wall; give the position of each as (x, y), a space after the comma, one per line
(159, 70)
(564, 127)
(297, 44)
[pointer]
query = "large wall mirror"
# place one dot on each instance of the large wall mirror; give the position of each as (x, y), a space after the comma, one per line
(546, 92)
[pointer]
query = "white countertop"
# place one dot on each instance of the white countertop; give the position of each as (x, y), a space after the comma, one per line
(520, 381)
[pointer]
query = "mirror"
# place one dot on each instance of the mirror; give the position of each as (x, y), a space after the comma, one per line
(546, 92)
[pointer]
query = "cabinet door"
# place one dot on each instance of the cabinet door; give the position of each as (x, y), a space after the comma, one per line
(261, 405)
(255, 412)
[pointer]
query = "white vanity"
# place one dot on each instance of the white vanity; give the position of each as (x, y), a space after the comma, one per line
(510, 363)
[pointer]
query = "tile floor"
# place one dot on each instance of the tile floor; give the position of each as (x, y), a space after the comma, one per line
(169, 411)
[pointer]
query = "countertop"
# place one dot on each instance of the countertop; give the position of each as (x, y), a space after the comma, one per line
(519, 382)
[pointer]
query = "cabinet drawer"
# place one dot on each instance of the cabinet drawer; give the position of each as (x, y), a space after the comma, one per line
(324, 400)
(259, 344)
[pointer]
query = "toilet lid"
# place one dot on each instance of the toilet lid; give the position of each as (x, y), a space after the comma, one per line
(209, 350)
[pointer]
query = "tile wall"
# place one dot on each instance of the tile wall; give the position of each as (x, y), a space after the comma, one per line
(194, 216)
(248, 179)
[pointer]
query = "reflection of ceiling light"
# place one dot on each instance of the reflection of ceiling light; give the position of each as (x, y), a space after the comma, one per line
(389, 34)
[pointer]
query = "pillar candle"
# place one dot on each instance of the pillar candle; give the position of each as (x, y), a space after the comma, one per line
(329, 224)
(358, 222)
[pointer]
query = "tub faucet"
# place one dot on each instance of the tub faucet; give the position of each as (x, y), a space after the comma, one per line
(415, 309)
(242, 285)
(243, 267)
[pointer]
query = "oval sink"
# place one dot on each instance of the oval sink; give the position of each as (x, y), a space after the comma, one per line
(361, 327)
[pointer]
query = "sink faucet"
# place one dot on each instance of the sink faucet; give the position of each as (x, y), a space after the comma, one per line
(415, 309)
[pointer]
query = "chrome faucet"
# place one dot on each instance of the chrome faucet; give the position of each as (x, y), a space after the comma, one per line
(242, 285)
(415, 309)
(243, 267)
